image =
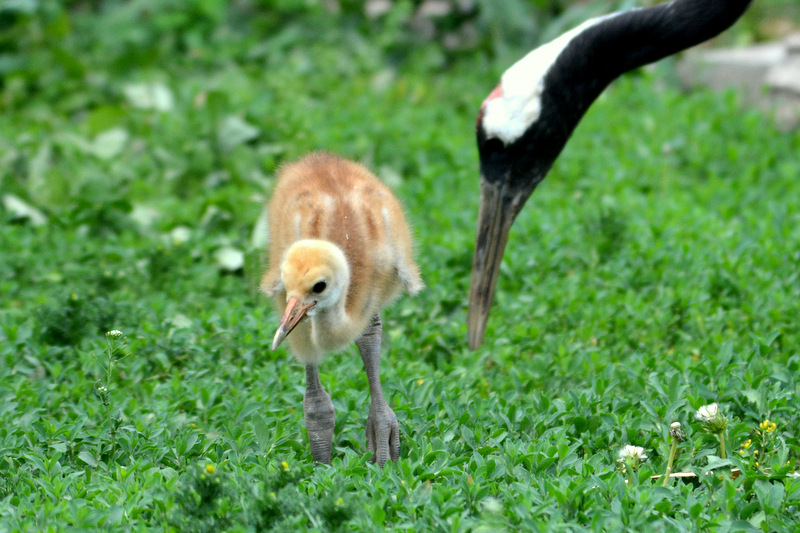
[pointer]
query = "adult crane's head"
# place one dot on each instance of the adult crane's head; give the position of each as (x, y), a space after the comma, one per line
(525, 122)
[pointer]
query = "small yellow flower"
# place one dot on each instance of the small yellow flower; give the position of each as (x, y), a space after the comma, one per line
(403, 482)
(340, 502)
(767, 426)
(210, 468)
(285, 466)
(741, 452)
(420, 381)
(747, 444)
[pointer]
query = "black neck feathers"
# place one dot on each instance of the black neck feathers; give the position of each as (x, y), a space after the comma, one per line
(634, 38)
(587, 65)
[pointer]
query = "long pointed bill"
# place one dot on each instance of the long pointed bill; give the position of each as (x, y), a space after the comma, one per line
(498, 209)
(294, 314)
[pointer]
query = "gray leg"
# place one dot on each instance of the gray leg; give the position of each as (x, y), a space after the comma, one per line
(383, 431)
(320, 416)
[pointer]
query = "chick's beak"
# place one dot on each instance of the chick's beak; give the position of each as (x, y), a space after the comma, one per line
(294, 314)
(498, 209)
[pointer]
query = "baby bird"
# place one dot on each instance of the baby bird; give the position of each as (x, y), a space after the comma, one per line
(340, 251)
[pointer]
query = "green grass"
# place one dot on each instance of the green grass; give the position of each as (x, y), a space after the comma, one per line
(653, 272)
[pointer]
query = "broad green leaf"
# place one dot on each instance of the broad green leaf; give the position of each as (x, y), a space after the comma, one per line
(88, 458)
(229, 258)
(234, 131)
(156, 96)
(22, 211)
(262, 432)
(109, 143)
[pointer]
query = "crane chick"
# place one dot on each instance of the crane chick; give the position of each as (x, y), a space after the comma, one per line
(340, 252)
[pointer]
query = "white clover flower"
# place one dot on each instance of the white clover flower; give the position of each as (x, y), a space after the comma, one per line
(632, 454)
(492, 505)
(676, 432)
(707, 413)
(114, 333)
(677, 435)
(712, 419)
(630, 457)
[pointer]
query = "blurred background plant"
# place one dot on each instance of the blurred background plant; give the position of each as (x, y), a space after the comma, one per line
(114, 70)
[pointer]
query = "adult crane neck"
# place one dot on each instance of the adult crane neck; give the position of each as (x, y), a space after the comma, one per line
(552, 87)
(636, 37)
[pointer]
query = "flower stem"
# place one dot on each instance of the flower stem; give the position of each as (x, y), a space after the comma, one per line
(722, 453)
(672, 451)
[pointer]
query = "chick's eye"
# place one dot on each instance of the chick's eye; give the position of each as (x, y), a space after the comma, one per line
(319, 287)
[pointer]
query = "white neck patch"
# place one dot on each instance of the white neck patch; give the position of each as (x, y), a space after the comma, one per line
(511, 110)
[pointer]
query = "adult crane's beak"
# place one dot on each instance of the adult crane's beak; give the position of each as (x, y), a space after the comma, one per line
(294, 314)
(498, 209)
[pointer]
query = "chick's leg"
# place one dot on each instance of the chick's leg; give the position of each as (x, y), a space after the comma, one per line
(320, 416)
(383, 431)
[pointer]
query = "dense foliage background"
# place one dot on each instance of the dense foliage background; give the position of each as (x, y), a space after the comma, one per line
(655, 271)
